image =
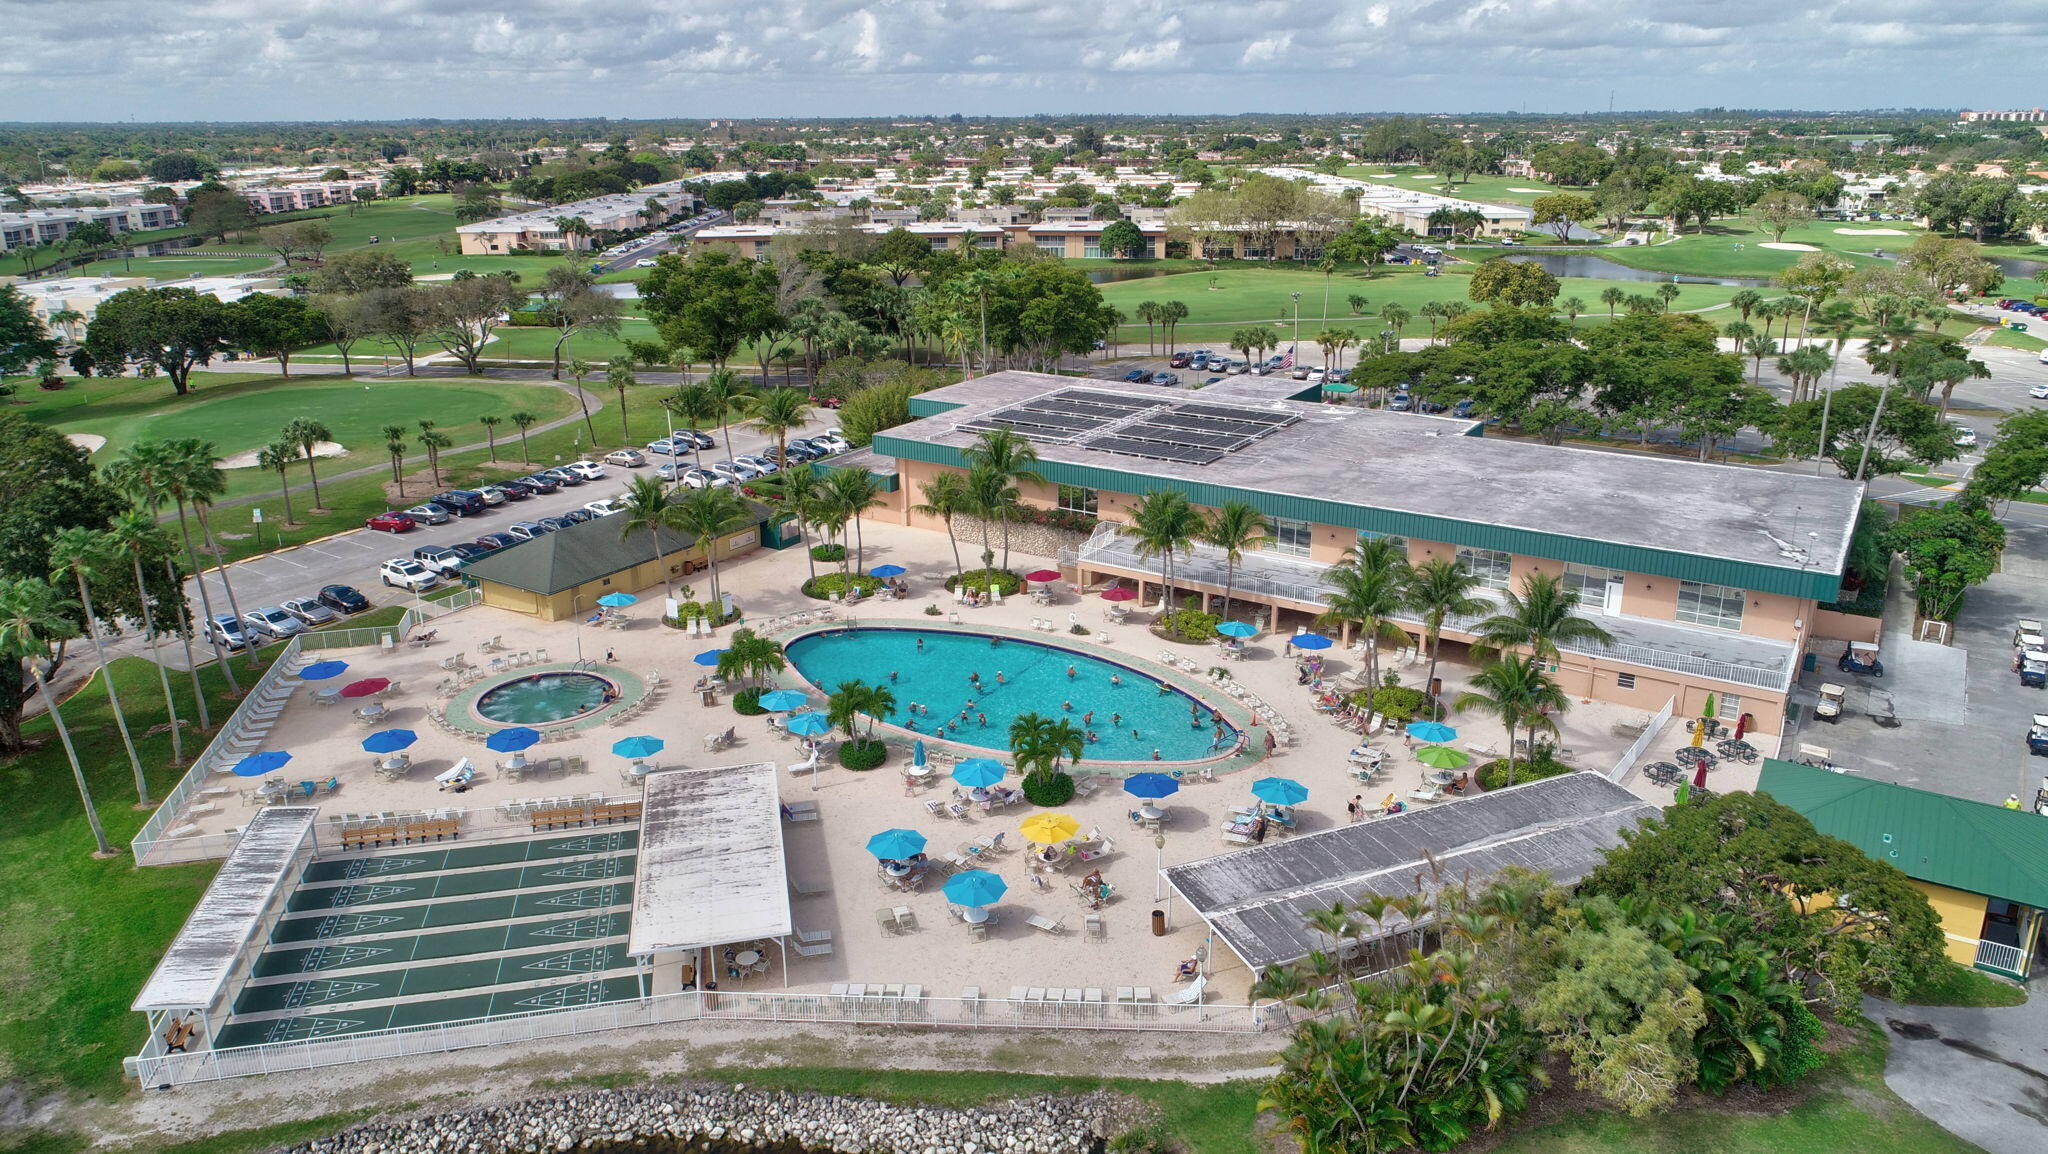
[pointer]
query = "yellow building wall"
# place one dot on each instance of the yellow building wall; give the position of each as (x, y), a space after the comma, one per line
(1962, 916)
(583, 598)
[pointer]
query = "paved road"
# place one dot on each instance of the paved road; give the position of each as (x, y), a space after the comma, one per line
(1980, 1074)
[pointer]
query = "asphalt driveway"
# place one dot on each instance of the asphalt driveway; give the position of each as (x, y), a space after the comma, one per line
(1980, 1074)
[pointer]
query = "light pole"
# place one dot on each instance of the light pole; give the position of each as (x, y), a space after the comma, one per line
(1159, 874)
(1295, 352)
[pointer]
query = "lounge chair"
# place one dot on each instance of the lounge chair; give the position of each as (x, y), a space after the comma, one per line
(1190, 994)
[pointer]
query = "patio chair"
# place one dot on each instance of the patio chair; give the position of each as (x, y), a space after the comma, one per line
(1190, 994)
(906, 918)
(886, 919)
(1097, 932)
(935, 809)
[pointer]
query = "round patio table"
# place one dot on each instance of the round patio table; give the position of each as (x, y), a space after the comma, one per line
(975, 915)
(747, 957)
(399, 761)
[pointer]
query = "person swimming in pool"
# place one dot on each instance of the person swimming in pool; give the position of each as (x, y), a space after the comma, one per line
(1114, 679)
(1070, 671)
(920, 645)
(981, 718)
(1115, 719)
(1000, 679)
(1092, 739)
(1088, 718)
(1067, 705)
(892, 677)
(974, 679)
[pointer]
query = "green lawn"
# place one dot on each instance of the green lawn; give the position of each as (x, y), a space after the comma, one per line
(2008, 339)
(1714, 252)
(174, 267)
(1959, 985)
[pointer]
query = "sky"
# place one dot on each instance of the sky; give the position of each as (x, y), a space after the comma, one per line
(150, 60)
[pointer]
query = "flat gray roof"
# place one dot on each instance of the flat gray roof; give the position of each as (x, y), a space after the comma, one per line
(203, 955)
(710, 869)
(1407, 463)
(1258, 899)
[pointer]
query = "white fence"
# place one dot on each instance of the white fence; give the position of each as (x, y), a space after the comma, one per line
(2001, 957)
(157, 1070)
(1642, 742)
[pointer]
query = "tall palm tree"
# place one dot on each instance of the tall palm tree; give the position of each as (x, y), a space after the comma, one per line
(727, 393)
(1147, 311)
(648, 504)
(705, 514)
(199, 475)
(135, 533)
(1164, 522)
(1438, 590)
(778, 413)
(1612, 298)
(1544, 613)
(946, 497)
(1370, 581)
(524, 420)
(1234, 528)
(989, 497)
(32, 615)
(74, 552)
(856, 491)
(750, 656)
(491, 421)
(279, 456)
(1517, 692)
(1030, 741)
(394, 446)
(1171, 313)
(139, 475)
(306, 433)
(1010, 456)
(619, 375)
(697, 407)
(802, 492)
(845, 705)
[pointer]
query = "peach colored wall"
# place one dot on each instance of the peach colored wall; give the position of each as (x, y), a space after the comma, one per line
(1828, 625)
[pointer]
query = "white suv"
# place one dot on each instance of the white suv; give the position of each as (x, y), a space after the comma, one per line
(588, 470)
(406, 573)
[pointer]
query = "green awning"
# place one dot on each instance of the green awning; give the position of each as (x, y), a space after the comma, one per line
(1340, 387)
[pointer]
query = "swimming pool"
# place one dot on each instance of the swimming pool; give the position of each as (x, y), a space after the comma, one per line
(931, 669)
(543, 698)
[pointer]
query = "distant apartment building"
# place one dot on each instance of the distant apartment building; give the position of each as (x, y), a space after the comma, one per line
(1082, 239)
(299, 197)
(2010, 116)
(1410, 208)
(83, 295)
(751, 240)
(539, 230)
(50, 225)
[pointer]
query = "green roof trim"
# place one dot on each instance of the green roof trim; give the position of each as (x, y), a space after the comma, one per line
(1424, 527)
(1932, 837)
(922, 406)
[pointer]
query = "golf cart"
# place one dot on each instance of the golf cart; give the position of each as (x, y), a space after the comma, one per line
(2037, 736)
(2034, 668)
(1860, 657)
(1819, 757)
(1829, 707)
(2028, 635)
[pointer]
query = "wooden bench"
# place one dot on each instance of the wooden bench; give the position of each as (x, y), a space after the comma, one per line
(369, 836)
(435, 829)
(564, 817)
(615, 811)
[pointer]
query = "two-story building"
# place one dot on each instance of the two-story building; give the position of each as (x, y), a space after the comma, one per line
(1707, 576)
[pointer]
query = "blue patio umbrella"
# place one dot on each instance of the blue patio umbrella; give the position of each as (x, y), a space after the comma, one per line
(979, 772)
(617, 600)
(638, 747)
(1279, 791)
(808, 724)
(781, 700)
(513, 740)
(709, 657)
(258, 764)
(887, 571)
(389, 740)
(1433, 732)
(1237, 629)
(1151, 785)
(322, 670)
(975, 888)
(917, 754)
(896, 844)
(1311, 641)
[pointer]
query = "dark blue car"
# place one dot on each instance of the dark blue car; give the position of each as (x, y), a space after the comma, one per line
(1136, 375)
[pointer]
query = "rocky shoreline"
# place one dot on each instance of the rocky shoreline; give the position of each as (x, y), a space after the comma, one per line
(722, 1118)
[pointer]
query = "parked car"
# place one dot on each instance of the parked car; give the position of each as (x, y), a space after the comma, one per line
(493, 496)
(695, 478)
(1166, 378)
(1316, 376)
(733, 470)
(625, 458)
(1199, 362)
(1431, 408)
(223, 628)
(554, 524)
(828, 401)
(541, 483)
(697, 437)
(428, 514)
(309, 611)
(406, 573)
(1136, 375)
(1179, 360)
(343, 599)
(758, 461)
(1401, 402)
(463, 502)
(587, 470)
(1463, 409)
(510, 491)
(273, 621)
(803, 449)
(562, 475)
(1239, 368)
(577, 516)
(2040, 391)
(832, 440)
(442, 559)
(471, 551)
(666, 447)
(606, 506)
(497, 541)
(1966, 437)
(645, 262)
(390, 521)
(525, 530)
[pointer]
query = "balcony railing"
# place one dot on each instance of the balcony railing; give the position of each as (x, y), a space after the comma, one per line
(2001, 957)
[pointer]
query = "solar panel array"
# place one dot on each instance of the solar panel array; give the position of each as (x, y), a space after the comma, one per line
(1194, 434)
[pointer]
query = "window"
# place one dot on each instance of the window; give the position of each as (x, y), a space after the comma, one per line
(1592, 584)
(1075, 499)
(1490, 567)
(1727, 705)
(1398, 541)
(1289, 537)
(1715, 606)
(1092, 249)
(1053, 247)
(1624, 681)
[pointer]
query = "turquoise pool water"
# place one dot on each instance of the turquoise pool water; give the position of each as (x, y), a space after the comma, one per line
(931, 669)
(542, 698)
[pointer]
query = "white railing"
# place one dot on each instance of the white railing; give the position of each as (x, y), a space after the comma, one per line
(156, 1069)
(352, 638)
(2001, 957)
(1642, 741)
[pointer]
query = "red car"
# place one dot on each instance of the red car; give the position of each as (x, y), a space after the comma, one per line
(827, 402)
(391, 522)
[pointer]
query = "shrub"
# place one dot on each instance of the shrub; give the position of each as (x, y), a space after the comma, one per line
(1397, 702)
(747, 703)
(931, 611)
(863, 755)
(1010, 583)
(705, 609)
(1494, 774)
(1188, 624)
(1048, 787)
(1078, 630)
(828, 552)
(824, 585)
(1073, 521)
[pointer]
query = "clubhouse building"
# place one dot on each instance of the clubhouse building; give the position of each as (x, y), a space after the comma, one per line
(1710, 578)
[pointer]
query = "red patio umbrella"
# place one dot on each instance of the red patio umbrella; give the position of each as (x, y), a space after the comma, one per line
(1042, 575)
(1119, 594)
(365, 687)
(1699, 776)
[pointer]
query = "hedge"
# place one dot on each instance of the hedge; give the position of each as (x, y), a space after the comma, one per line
(705, 609)
(828, 552)
(1048, 787)
(1010, 583)
(863, 755)
(825, 584)
(747, 703)
(1397, 702)
(1069, 520)
(1190, 625)
(1494, 774)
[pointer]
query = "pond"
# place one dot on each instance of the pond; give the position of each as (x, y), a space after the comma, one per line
(1113, 275)
(1563, 264)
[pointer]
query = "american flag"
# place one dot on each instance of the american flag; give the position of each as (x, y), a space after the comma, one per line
(1287, 362)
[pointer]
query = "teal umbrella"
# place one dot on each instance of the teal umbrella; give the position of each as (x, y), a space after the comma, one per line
(807, 724)
(1433, 732)
(896, 844)
(779, 700)
(979, 772)
(638, 747)
(1236, 629)
(617, 600)
(917, 754)
(1279, 791)
(975, 888)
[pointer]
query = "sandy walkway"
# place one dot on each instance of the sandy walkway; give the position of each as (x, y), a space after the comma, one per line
(247, 459)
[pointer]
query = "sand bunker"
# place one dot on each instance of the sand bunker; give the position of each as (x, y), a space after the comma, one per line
(248, 460)
(1789, 246)
(90, 442)
(1872, 232)
(1528, 190)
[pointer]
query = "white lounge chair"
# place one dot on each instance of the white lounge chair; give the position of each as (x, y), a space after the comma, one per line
(1190, 994)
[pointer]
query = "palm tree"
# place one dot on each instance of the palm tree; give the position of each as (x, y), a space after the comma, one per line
(727, 392)
(704, 514)
(1234, 528)
(280, 455)
(491, 421)
(1395, 316)
(32, 615)
(1065, 741)
(1516, 691)
(1572, 307)
(197, 470)
(845, 705)
(75, 552)
(1744, 302)
(778, 413)
(946, 497)
(1759, 347)
(433, 442)
(1007, 454)
(394, 444)
(524, 420)
(579, 369)
(1667, 293)
(306, 433)
(1370, 581)
(802, 492)
(855, 491)
(134, 533)
(697, 407)
(1164, 522)
(1431, 311)
(1171, 313)
(751, 656)
(1612, 298)
(619, 375)
(145, 475)
(1542, 615)
(1357, 304)
(648, 504)
(1438, 590)
(1147, 311)
(989, 497)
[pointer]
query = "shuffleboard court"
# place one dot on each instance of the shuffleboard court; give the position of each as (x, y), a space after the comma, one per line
(470, 856)
(432, 947)
(468, 911)
(411, 981)
(415, 887)
(356, 1019)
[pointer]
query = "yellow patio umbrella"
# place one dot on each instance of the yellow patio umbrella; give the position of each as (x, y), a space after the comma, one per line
(1049, 827)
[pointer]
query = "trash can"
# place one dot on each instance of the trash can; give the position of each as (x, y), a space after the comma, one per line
(1807, 663)
(1158, 923)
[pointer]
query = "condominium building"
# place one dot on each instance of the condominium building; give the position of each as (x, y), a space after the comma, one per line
(78, 298)
(50, 225)
(299, 197)
(540, 230)
(1410, 208)
(751, 240)
(1710, 578)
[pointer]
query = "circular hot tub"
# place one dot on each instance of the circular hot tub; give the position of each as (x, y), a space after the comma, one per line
(546, 698)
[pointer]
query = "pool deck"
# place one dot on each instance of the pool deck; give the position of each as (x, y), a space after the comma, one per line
(830, 852)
